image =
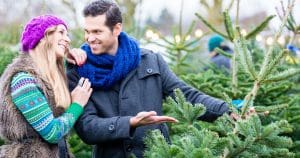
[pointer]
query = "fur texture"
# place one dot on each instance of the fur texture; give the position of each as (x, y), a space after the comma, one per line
(21, 139)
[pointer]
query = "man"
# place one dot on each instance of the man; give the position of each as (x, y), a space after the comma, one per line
(219, 60)
(129, 85)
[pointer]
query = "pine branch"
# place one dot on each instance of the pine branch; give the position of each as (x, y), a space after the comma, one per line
(271, 108)
(228, 25)
(205, 4)
(249, 99)
(190, 29)
(237, 13)
(235, 71)
(275, 61)
(184, 111)
(211, 26)
(263, 72)
(266, 70)
(220, 51)
(282, 75)
(164, 150)
(192, 42)
(250, 137)
(245, 57)
(259, 28)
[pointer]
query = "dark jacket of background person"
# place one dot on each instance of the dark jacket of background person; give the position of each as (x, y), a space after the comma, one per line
(221, 61)
(105, 122)
(14, 128)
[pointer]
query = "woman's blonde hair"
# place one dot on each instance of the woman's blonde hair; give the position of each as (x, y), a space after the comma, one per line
(52, 68)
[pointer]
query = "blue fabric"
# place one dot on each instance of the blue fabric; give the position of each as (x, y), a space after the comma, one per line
(292, 48)
(238, 104)
(105, 70)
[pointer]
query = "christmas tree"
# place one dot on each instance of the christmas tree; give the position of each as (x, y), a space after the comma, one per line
(262, 81)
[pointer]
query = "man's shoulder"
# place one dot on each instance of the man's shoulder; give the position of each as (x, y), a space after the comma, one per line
(145, 52)
(149, 63)
(148, 55)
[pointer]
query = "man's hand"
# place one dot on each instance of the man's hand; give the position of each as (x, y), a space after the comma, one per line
(76, 56)
(235, 116)
(250, 112)
(148, 118)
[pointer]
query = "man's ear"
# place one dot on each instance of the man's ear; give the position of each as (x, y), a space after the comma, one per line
(117, 29)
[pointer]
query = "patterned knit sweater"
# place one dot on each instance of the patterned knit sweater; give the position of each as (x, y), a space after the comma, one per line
(33, 105)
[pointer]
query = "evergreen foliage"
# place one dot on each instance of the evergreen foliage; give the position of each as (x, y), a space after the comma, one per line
(77, 147)
(179, 48)
(262, 79)
(6, 57)
(226, 138)
(260, 73)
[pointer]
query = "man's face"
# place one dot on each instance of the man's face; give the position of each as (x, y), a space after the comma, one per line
(100, 38)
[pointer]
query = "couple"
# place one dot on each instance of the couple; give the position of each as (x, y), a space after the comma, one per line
(117, 89)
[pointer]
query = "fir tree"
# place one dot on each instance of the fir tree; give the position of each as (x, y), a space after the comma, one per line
(262, 83)
(227, 138)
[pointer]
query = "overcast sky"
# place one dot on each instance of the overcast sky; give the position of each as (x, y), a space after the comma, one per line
(152, 8)
(247, 8)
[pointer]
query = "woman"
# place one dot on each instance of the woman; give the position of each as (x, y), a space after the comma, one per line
(37, 110)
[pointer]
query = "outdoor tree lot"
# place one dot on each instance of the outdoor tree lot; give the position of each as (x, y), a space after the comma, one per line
(266, 77)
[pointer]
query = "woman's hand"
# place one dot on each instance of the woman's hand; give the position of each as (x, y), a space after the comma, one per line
(82, 92)
(76, 56)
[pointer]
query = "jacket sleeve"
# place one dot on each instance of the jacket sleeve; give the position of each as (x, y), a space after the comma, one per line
(214, 107)
(93, 129)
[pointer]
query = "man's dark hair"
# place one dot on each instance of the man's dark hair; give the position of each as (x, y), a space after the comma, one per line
(107, 7)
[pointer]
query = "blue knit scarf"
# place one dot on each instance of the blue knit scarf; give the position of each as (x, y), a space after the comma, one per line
(105, 70)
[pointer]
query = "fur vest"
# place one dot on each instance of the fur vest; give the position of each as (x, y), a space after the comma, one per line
(21, 140)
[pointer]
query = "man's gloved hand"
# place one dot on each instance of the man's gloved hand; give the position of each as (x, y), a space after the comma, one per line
(238, 103)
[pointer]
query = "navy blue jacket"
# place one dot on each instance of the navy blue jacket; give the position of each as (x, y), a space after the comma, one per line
(222, 61)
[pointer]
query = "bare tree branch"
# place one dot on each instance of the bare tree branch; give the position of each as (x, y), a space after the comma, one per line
(205, 4)
(230, 4)
(70, 5)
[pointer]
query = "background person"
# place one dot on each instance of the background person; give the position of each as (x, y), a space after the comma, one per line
(219, 60)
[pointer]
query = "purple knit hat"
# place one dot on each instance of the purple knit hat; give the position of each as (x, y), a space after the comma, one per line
(35, 29)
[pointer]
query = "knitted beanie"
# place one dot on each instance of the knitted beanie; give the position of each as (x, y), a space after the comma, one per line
(35, 30)
(214, 41)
